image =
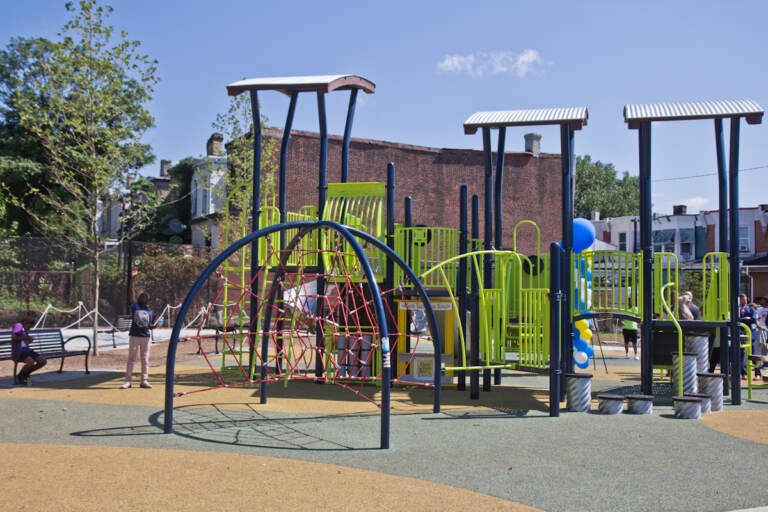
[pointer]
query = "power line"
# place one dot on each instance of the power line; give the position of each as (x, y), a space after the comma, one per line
(693, 176)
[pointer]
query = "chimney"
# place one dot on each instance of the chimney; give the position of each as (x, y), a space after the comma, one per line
(594, 215)
(533, 143)
(164, 166)
(214, 145)
(679, 209)
(763, 207)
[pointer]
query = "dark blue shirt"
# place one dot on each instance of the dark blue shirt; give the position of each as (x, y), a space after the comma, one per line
(141, 319)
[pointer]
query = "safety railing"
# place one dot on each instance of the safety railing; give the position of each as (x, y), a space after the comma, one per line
(361, 206)
(423, 248)
(665, 272)
(715, 283)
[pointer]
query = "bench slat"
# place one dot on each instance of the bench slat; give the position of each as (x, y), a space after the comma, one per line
(49, 343)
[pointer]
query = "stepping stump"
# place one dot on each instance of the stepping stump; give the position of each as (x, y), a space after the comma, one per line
(687, 407)
(706, 401)
(639, 404)
(712, 384)
(579, 391)
(610, 404)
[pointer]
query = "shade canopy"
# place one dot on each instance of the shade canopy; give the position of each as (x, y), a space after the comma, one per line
(634, 115)
(290, 84)
(575, 117)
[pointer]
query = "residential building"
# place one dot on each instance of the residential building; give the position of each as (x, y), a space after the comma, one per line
(207, 193)
(110, 219)
(691, 236)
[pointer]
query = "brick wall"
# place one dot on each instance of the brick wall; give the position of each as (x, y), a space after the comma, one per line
(433, 177)
(761, 238)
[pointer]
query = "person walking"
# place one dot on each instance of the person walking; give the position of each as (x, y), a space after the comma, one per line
(139, 334)
(629, 330)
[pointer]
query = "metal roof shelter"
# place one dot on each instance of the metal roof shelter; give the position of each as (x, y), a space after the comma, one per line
(288, 84)
(292, 86)
(569, 120)
(575, 117)
(634, 115)
(640, 117)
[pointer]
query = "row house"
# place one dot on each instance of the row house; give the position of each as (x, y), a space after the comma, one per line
(690, 236)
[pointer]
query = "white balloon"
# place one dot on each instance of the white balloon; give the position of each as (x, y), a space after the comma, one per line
(580, 357)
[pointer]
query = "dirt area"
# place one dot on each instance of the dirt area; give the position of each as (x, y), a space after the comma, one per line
(115, 359)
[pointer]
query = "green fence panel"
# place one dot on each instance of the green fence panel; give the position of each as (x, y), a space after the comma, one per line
(715, 271)
(423, 248)
(361, 206)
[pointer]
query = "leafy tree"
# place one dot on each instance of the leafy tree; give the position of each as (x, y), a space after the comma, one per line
(598, 189)
(83, 103)
(139, 218)
(236, 126)
(21, 158)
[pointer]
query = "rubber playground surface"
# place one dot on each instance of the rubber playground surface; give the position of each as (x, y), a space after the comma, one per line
(79, 442)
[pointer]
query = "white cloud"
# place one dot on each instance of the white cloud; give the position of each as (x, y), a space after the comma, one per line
(663, 204)
(457, 63)
(696, 203)
(480, 63)
(526, 61)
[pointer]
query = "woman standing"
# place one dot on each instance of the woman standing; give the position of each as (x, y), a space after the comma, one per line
(138, 335)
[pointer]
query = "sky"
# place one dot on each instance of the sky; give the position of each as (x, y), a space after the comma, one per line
(436, 63)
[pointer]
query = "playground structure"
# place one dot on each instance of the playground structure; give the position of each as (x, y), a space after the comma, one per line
(342, 293)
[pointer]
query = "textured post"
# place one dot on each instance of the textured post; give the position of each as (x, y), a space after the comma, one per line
(579, 391)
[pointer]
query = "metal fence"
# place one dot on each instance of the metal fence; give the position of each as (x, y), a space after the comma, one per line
(37, 272)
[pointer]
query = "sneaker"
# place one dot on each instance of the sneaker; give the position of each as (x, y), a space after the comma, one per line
(22, 379)
(125, 385)
(146, 385)
(637, 358)
(626, 356)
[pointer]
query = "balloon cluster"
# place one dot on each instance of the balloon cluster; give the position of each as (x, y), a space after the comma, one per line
(583, 238)
(582, 350)
(583, 235)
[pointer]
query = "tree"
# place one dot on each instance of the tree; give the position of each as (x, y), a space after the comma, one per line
(83, 104)
(21, 158)
(598, 189)
(236, 125)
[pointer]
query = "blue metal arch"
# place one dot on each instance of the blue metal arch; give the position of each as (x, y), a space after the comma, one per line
(349, 235)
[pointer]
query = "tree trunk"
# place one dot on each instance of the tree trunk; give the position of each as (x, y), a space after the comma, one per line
(96, 273)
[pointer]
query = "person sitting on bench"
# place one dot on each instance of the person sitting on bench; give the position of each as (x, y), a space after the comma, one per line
(21, 351)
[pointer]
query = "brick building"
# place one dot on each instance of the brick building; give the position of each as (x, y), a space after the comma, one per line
(432, 177)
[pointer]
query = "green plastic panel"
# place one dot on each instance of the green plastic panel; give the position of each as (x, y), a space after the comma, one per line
(361, 206)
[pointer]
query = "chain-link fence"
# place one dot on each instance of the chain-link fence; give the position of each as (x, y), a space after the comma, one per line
(38, 272)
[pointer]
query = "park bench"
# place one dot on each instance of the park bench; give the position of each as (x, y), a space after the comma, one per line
(123, 324)
(49, 343)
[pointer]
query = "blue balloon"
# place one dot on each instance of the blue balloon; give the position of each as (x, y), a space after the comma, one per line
(589, 349)
(580, 344)
(583, 365)
(583, 234)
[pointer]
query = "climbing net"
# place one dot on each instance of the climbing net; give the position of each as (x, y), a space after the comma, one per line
(292, 322)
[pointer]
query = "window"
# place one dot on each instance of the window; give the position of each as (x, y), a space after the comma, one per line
(687, 244)
(664, 240)
(206, 191)
(201, 202)
(744, 245)
(195, 201)
(622, 241)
